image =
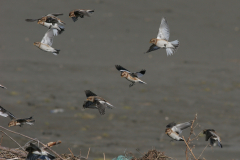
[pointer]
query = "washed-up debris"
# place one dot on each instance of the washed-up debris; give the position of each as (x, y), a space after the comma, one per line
(59, 110)
(153, 155)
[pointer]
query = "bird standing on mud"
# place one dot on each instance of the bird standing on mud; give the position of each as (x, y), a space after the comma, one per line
(80, 13)
(14, 120)
(132, 77)
(162, 40)
(173, 130)
(95, 102)
(214, 138)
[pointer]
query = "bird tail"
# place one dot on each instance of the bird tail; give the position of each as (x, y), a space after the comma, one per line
(74, 19)
(56, 52)
(140, 81)
(90, 12)
(30, 121)
(219, 144)
(172, 48)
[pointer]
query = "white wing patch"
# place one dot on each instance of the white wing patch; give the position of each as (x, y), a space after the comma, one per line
(49, 35)
(164, 31)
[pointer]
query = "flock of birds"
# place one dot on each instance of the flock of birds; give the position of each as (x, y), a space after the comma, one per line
(55, 27)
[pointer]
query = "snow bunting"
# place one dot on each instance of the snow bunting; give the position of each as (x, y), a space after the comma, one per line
(80, 13)
(2, 86)
(162, 40)
(132, 77)
(95, 102)
(174, 130)
(57, 26)
(14, 120)
(50, 18)
(214, 138)
(47, 42)
(34, 153)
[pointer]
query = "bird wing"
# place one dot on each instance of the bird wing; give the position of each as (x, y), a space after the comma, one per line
(140, 73)
(121, 69)
(48, 37)
(104, 102)
(101, 108)
(214, 134)
(32, 156)
(164, 31)
(170, 125)
(89, 93)
(55, 14)
(153, 47)
(5, 113)
(179, 127)
(32, 147)
(3, 86)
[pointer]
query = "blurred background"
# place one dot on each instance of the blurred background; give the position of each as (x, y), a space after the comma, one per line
(202, 77)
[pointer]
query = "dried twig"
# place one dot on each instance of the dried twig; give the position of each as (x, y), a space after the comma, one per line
(203, 151)
(1, 139)
(189, 148)
(103, 156)
(13, 140)
(15, 151)
(88, 153)
(188, 140)
(70, 151)
(33, 140)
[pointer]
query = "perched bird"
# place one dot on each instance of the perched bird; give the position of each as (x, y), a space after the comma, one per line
(132, 77)
(14, 120)
(2, 86)
(214, 138)
(162, 40)
(95, 102)
(80, 13)
(47, 42)
(174, 130)
(50, 18)
(34, 152)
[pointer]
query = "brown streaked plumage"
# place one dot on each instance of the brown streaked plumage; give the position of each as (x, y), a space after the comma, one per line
(80, 13)
(14, 120)
(132, 77)
(213, 136)
(50, 18)
(95, 102)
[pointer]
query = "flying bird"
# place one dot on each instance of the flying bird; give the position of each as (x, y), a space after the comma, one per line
(34, 153)
(214, 138)
(173, 130)
(47, 41)
(132, 77)
(2, 86)
(50, 18)
(14, 120)
(80, 13)
(95, 102)
(162, 40)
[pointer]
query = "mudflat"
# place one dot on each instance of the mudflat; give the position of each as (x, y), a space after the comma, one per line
(202, 77)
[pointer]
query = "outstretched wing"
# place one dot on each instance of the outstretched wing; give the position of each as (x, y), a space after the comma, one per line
(121, 69)
(164, 31)
(89, 93)
(5, 113)
(55, 14)
(179, 127)
(101, 108)
(153, 47)
(2, 86)
(48, 37)
(214, 134)
(139, 74)
(170, 125)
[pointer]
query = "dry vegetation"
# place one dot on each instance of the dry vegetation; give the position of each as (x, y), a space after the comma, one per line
(20, 153)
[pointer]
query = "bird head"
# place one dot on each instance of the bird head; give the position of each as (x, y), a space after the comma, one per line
(12, 123)
(153, 41)
(124, 74)
(36, 44)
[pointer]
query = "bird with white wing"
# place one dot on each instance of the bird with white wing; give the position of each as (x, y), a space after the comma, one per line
(47, 41)
(162, 40)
